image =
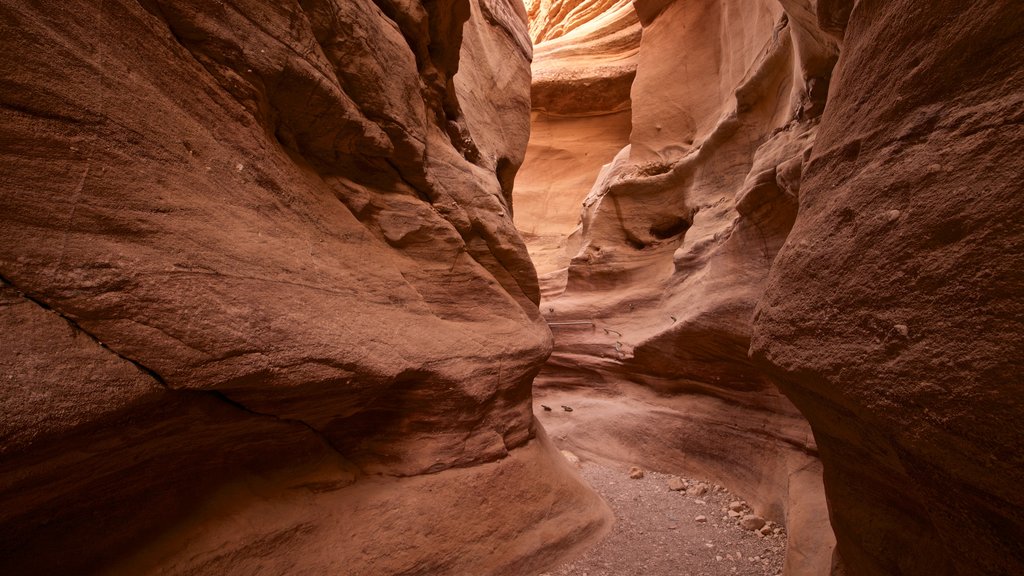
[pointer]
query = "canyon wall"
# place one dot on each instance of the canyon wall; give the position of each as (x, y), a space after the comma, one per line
(653, 248)
(660, 247)
(818, 198)
(893, 314)
(263, 305)
(585, 59)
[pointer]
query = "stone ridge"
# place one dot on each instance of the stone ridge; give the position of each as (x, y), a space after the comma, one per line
(553, 19)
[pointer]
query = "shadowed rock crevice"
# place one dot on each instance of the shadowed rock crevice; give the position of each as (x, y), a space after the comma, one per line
(7, 286)
(265, 307)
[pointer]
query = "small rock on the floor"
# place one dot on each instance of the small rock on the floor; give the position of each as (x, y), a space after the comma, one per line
(567, 408)
(697, 490)
(701, 518)
(751, 522)
(676, 484)
(572, 458)
(636, 473)
(736, 506)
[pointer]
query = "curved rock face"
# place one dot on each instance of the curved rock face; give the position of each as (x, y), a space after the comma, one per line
(651, 297)
(584, 64)
(585, 58)
(872, 215)
(893, 314)
(259, 277)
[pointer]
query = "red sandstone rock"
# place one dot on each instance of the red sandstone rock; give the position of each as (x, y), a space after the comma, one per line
(263, 308)
(583, 67)
(651, 297)
(260, 275)
(585, 58)
(893, 313)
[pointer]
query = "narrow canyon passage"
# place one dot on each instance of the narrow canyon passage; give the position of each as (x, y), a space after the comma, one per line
(669, 148)
(409, 287)
(649, 202)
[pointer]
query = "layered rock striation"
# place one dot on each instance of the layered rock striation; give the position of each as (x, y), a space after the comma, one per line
(818, 199)
(585, 59)
(651, 296)
(263, 304)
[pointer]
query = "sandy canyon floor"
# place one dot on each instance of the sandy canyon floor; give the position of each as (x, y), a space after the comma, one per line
(660, 532)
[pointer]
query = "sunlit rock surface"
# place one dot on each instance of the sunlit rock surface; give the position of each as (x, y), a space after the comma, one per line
(833, 189)
(585, 60)
(652, 254)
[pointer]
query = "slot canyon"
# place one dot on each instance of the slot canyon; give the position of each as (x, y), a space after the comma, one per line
(380, 287)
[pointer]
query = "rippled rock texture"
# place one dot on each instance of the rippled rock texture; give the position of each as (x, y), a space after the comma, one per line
(654, 221)
(585, 59)
(263, 305)
(818, 198)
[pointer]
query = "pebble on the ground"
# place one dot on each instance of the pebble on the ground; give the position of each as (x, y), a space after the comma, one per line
(751, 522)
(650, 532)
(572, 458)
(636, 473)
(697, 490)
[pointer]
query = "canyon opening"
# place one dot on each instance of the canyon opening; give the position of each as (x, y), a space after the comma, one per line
(494, 287)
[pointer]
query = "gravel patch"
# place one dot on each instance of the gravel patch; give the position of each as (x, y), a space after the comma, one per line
(660, 531)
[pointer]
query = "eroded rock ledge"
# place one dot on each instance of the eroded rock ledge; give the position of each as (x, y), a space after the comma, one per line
(260, 277)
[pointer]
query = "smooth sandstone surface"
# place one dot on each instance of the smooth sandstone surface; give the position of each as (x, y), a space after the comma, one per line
(652, 256)
(585, 59)
(264, 308)
(893, 314)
